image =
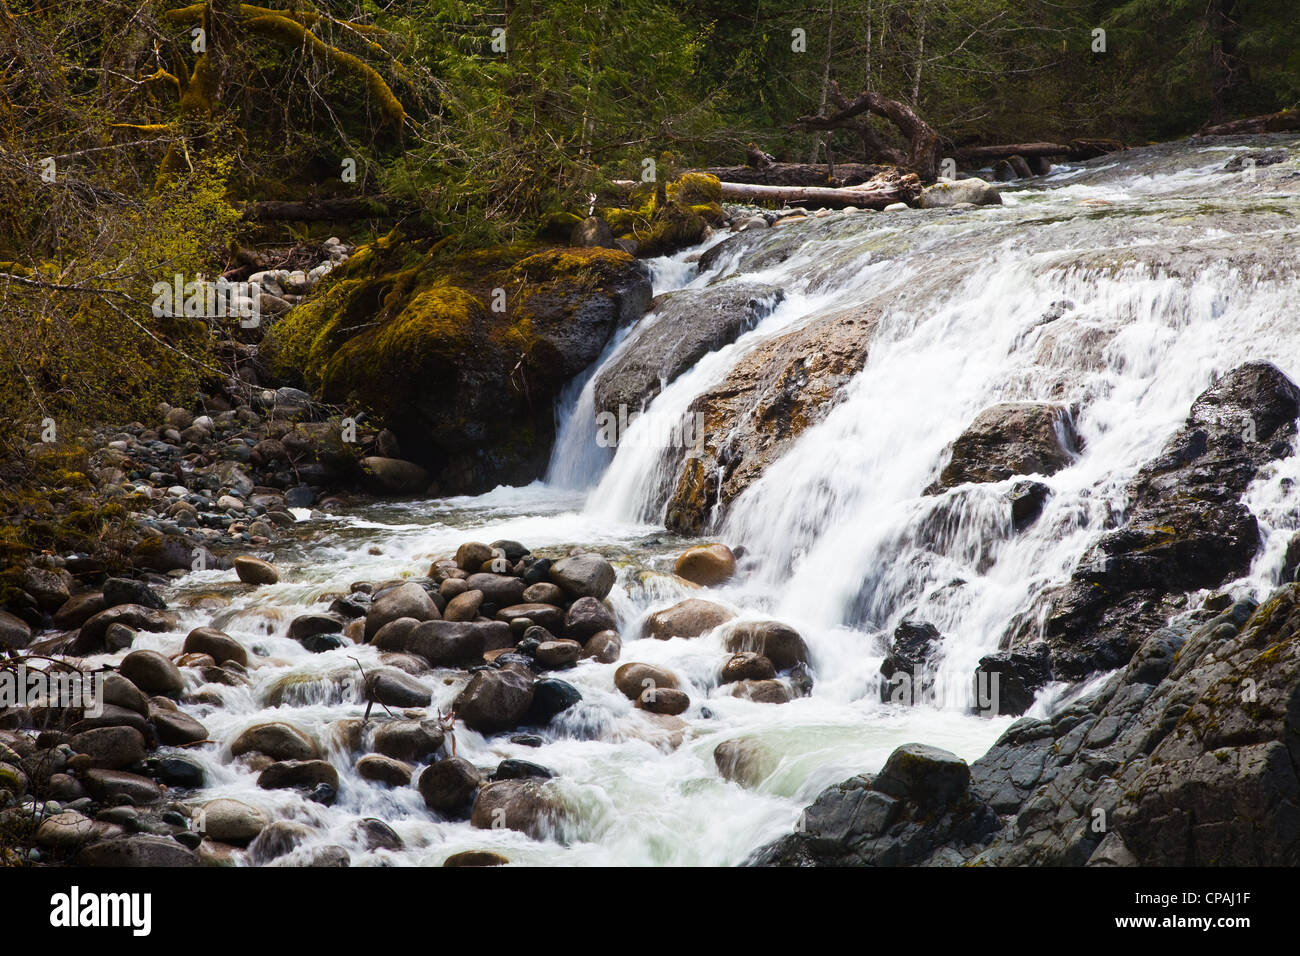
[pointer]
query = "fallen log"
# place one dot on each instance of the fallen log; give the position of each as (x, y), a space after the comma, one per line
(326, 210)
(1284, 121)
(835, 176)
(979, 154)
(923, 142)
(876, 195)
(1081, 149)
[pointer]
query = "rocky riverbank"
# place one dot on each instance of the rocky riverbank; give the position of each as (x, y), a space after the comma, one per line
(1185, 757)
(114, 782)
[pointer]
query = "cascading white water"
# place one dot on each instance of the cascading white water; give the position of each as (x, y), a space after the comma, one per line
(1128, 310)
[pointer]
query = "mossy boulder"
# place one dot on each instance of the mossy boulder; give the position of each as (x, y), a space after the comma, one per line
(460, 354)
(664, 221)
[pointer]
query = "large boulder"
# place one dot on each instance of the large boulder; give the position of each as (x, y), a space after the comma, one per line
(495, 700)
(1184, 757)
(300, 774)
(689, 618)
(278, 741)
(912, 813)
(461, 354)
(135, 851)
(683, 328)
(231, 821)
(458, 643)
(706, 564)
(634, 678)
(530, 806)
(1013, 438)
(110, 748)
(583, 575)
(394, 476)
(408, 739)
(218, 645)
(952, 192)
(779, 643)
(404, 600)
(588, 616)
(396, 688)
(152, 673)
(15, 634)
(503, 590)
(906, 678)
(255, 571)
(1186, 526)
(448, 785)
(90, 637)
(754, 416)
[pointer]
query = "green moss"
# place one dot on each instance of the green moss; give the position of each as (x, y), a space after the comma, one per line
(589, 263)
(381, 366)
(694, 189)
(558, 226)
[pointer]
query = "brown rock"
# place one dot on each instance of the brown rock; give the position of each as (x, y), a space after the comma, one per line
(298, 773)
(463, 607)
(529, 806)
(706, 564)
(386, 770)
(746, 665)
(663, 700)
(761, 691)
(689, 618)
(494, 701)
(448, 785)
(476, 858)
(279, 741)
(152, 673)
(779, 643)
(634, 677)
(604, 647)
(558, 654)
(255, 571)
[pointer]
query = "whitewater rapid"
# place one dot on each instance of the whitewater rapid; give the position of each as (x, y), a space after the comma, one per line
(1184, 274)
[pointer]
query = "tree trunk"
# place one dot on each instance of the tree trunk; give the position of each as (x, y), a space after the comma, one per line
(923, 152)
(976, 154)
(1282, 122)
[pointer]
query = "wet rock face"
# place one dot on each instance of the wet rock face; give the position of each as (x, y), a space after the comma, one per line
(1013, 438)
(463, 377)
(1186, 757)
(685, 327)
(1186, 528)
(913, 644)
(907, 815)
(754, 416)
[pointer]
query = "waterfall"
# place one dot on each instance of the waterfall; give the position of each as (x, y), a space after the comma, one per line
(1119, 288)
(1126, 311)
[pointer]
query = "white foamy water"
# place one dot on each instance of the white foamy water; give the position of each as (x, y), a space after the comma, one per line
(1125, 311)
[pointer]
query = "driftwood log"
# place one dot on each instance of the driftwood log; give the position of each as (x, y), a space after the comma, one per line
(1284, 121)
(1076, 150)
(873, 195)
